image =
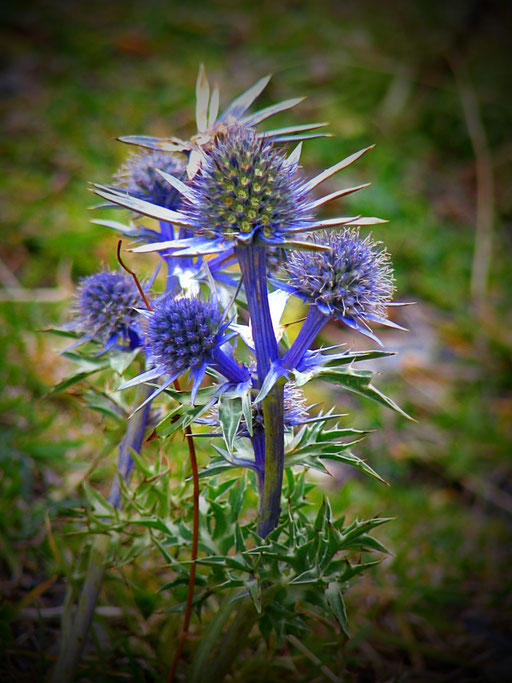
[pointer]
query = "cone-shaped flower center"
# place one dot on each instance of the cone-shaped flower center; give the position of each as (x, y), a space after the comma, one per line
(245, 185)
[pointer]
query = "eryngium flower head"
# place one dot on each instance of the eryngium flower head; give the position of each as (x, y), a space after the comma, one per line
(182, 333)
(353, 281)
(139, 176)
(295, 410)
(105, 309)
(246, 187)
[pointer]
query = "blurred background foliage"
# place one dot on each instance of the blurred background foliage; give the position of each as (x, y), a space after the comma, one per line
(429, 83)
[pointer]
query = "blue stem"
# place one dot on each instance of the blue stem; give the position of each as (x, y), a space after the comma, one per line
(228, 367)
(258, 444)
(253, 266)
(312, 326)
(132, 439)
(252, 260)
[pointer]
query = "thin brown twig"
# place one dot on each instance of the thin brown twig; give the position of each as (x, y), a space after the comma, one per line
(195, 542)
(134, 276)
(195, 501)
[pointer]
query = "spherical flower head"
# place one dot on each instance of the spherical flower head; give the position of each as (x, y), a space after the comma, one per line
(105, 307)
(245, 187)
(354, 280)
(182, 333)
(140, 177)
(294, 407)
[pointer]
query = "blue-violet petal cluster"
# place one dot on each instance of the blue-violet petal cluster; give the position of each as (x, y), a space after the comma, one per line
(140, 177)
(182, 333)
(106, 308)
(246, 187)
(353, 280)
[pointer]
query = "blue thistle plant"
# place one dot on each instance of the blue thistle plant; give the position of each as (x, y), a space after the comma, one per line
(106, 311)
(187, 333)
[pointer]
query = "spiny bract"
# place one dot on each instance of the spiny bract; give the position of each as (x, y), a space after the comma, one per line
(182, 333)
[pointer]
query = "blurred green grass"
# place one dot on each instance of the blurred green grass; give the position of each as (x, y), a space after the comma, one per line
(77, 76)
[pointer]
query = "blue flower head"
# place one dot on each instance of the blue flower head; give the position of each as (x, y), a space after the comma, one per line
(246, 187)
(352, 281)
(105, 307)
(182, 333)
(187, 333)
(140, 176)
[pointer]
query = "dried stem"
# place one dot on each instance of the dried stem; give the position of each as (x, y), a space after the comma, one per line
(134, 276)
(195, 542)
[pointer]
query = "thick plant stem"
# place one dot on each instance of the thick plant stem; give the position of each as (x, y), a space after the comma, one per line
(269, 508)
(72, 644)
(253, 266)
(213, 668)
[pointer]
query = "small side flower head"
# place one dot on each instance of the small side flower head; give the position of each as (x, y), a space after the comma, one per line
(186, 334)
(352, 281)
(140, 176)
(295, 411)
(105, 308)
(182, 333)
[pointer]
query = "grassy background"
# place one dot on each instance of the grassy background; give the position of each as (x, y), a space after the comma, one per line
(76, 76)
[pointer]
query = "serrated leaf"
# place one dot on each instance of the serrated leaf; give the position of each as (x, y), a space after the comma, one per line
(335, 601)
(359, 382)
(230, 414)
(253, 586)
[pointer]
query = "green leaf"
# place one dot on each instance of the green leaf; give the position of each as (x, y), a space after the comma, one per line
(100, 504)
(335, 601)
(359, 382)
(120, 361)
(253, 586)
(140, 463)
(355, 461)
(218, 467)
(230, 414)
(65, 384)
